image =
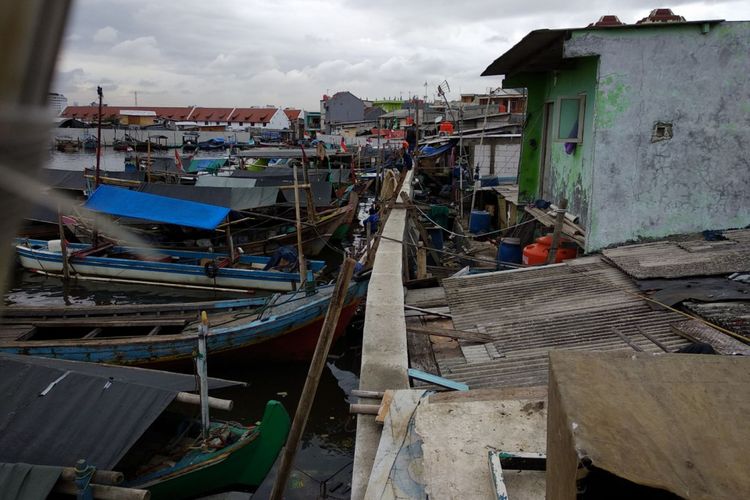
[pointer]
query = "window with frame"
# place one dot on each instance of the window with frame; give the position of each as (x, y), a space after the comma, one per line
(569, 122)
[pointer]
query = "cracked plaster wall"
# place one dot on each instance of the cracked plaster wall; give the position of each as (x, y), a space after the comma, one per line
(699, 179)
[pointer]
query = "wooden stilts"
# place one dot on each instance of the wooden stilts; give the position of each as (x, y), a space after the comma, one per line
(313, 377)
(421, 261)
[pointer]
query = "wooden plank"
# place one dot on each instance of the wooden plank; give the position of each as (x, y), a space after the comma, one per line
(385, 406)
(419, 348)
(27, 334)
(454, 334)
(112, 323)
(626, 340)
(522, 460)
(125, 309)
(427, 311)
(396, 471)
(496, 473)
(93, 333)
(651, 338)
(434, 379)
(538, 393)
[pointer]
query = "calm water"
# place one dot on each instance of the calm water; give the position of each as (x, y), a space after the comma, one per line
(111, 160)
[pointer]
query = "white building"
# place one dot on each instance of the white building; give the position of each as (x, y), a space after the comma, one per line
(57, 102)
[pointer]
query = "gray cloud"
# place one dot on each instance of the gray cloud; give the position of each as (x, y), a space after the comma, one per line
(290, 52)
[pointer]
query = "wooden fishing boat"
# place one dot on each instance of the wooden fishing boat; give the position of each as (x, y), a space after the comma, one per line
(136, 422)
(315, 235)
(286, 328)
(234, 457)
(67, 144)
(159, 266)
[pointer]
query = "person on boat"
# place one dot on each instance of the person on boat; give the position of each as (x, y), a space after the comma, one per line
(283, 259)
(373, 220)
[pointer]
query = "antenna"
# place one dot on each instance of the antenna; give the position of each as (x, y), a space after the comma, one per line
(135, 93)
(442, 89)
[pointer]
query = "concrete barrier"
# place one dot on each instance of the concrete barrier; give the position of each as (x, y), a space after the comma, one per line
(384, 353)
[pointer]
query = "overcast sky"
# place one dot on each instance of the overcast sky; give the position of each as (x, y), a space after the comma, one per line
(291, 52)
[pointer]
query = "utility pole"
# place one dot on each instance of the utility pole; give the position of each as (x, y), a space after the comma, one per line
(98, 139)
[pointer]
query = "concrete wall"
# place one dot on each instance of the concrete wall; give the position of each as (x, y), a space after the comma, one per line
(174, 136)
(384, 352)
(496, 157)
(279, 121)
(569, 175)
(699, 179)
(506, 159)
(343, 107)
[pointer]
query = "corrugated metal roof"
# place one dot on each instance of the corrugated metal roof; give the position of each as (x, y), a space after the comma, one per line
(542, 50)
(676, 259)
(578, 305)
(734, 316)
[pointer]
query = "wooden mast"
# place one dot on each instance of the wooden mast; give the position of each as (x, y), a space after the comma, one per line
(300, 253)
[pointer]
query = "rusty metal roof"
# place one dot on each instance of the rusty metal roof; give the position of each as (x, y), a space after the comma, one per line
(580, 304)
(677, 259)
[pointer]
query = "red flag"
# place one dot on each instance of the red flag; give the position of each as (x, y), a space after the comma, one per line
(178, 161)
(343, 146)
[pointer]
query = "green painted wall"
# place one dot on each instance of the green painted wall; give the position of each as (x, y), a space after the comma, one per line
(571, 174)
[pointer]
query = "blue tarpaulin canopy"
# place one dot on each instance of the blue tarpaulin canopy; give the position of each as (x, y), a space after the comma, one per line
(209, 164)
(430, 151)
(125, 203)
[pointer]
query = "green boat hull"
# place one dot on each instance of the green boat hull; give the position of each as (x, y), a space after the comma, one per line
(240, 466)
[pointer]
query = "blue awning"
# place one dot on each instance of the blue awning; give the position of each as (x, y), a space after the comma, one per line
(430, 151)
(125, 203)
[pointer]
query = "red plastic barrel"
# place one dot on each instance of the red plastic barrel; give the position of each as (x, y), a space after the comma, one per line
(446, 128)
(536, 253)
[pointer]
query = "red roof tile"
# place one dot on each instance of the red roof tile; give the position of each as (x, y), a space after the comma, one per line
(292, 114)
(90, 113)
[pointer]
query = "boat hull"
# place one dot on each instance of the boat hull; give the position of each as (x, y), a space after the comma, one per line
(242, 466)
(166, 273)
(286, 332)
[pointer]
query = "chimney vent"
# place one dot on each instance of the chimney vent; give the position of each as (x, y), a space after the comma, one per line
(609, 20)
(661, 16)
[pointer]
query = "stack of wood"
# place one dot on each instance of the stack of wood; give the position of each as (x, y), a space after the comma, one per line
(570, 228)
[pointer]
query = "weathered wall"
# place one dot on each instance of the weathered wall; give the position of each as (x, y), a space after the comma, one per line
(570, 175)
(700, 179)
(344, 107)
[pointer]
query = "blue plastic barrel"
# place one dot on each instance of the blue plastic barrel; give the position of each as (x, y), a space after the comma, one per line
(510, 250)
(436, 235)
(479, 222)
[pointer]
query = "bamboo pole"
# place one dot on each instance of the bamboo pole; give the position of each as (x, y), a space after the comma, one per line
(100, 476)
(557, 232)
(300, 252)
(63, 245)
(202, 368)
(99, 139)
(195, 399)
(313, 377)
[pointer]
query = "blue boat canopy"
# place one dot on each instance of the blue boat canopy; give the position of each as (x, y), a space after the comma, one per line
(430, 151)
(125, 203)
